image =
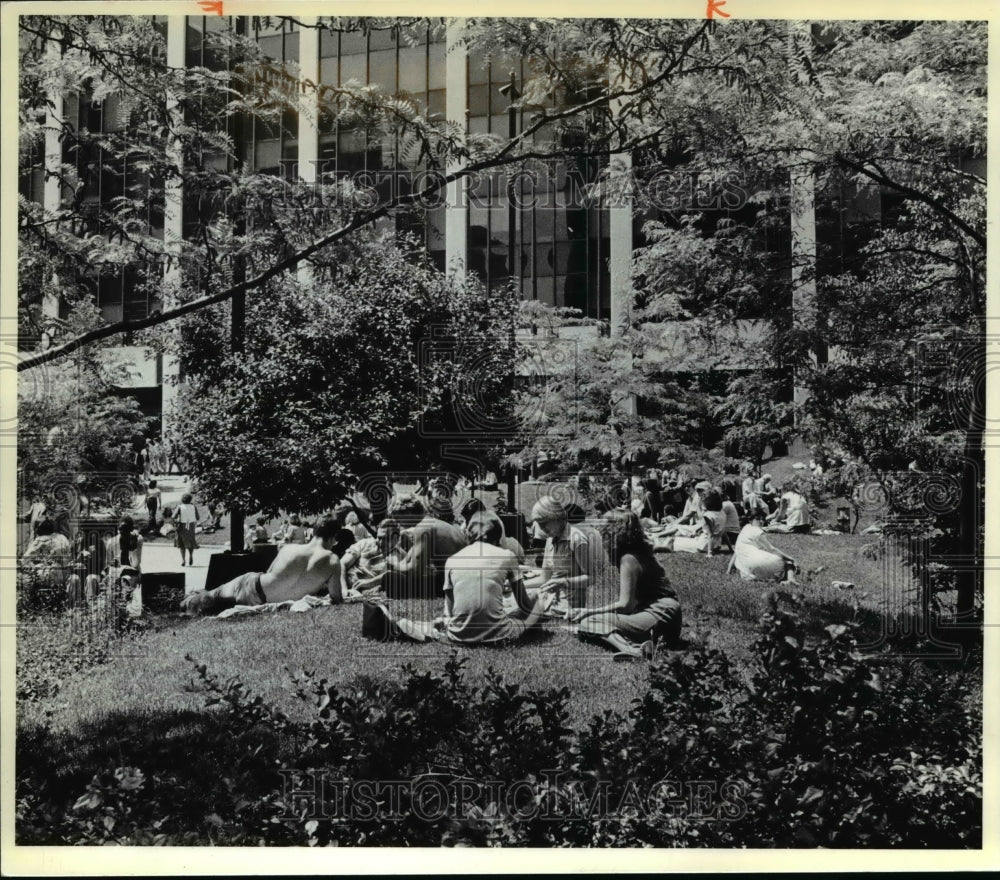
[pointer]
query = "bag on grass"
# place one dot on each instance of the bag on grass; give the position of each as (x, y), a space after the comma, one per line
(377, 624)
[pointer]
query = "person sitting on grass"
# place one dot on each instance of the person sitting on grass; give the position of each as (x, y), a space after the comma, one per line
(431, 538)
(646, 609)
(709, 535)
(299, 570)
(295, 533)
(792, 514)
(364, 562)
(567, 563)
(49, 555)
(475, 579)
(757, 559)
(256, 534)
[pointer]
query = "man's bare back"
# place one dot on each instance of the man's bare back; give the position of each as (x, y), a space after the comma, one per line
(300, 570)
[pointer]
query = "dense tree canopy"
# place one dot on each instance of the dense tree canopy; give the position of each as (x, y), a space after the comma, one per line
(878, 125)
(345, 374)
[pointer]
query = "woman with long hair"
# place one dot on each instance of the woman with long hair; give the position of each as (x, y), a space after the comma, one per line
(708, 537)
(646, 609)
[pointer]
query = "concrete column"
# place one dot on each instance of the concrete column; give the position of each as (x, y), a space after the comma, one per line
(620, 232)
(308, 99)
(308, 157)
(173, 222)
(456, 236)
(620, 257)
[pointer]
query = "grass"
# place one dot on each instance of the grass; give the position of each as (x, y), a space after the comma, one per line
(150, 674)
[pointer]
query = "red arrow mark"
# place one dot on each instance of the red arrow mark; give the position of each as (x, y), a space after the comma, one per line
(215, 6)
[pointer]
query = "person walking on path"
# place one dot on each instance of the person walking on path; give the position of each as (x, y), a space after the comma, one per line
(152, 505)
(185, 520)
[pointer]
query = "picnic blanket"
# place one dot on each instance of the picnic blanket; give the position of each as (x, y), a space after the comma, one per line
(299, 606)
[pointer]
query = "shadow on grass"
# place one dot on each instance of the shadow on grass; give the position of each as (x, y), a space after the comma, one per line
(196, 765)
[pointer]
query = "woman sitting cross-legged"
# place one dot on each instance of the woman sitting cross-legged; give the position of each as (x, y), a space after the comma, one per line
(646, 609)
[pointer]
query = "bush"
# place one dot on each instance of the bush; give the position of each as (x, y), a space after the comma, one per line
(815, 746)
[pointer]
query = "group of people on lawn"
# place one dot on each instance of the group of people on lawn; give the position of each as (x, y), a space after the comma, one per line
(420, 550)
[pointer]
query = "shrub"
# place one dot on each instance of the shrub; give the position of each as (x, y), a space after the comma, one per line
(816, 745)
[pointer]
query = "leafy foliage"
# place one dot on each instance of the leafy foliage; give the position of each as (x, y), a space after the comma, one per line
(355, 370)
(819, 746)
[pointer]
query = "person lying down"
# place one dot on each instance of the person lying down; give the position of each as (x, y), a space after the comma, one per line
(299, 570)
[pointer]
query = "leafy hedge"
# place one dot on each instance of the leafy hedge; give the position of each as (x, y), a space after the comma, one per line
(815, 746)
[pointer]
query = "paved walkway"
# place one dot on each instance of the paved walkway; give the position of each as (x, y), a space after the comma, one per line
(161, 555)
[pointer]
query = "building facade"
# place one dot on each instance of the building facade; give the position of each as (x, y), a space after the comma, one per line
(541, 228)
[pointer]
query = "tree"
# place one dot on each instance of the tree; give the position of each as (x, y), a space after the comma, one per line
(170, 114)
(342, 375)
(74, 427)
(886, 337)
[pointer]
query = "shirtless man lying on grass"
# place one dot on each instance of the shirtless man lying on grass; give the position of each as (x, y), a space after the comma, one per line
(299, 570)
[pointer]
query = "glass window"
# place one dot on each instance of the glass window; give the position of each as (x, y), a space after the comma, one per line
(576, 223)
(329, 44)
(544, 222)
(479, 101)
(526, 268)
(479, 125)
(545, 289)
(436, 103)
(477, 261)
(328, 71)
(291, 47)
(382, 69)
(353, 43)
(353, 67)
(498, 230)
(266, 154)
(382, 38)
(575, 292)
(271, 46)
(413, 68)
(498, 263)
(479, 69)
(437, 66)
(544, 260)
(479, 219)
(562, 257)
(500, 123)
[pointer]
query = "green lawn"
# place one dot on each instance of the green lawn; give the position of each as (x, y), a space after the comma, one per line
(150, 674)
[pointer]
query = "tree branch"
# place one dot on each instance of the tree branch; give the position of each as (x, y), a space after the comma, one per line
(916, 195)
